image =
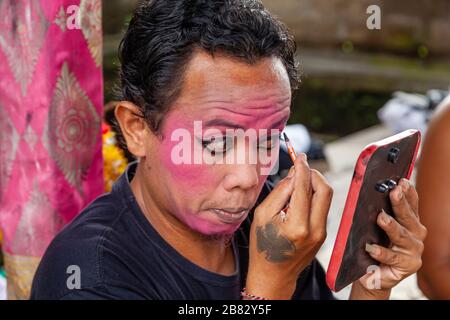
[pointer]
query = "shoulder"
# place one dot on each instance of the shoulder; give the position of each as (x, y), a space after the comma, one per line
(440, 123)
(77, 250)
(436, 146)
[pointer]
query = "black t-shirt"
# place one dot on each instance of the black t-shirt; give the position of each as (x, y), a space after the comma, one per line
(117, 254)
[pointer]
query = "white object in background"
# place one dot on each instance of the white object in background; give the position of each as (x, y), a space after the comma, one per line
(299, 137)
(342, 154)
(2, 288)
(405, 111)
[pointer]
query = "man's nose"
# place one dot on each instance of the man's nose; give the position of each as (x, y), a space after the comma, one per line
(242, 176)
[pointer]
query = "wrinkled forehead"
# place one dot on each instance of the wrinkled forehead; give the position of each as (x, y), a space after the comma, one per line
(223, 90)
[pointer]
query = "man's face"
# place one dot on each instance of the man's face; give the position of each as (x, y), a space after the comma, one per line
(219, 95)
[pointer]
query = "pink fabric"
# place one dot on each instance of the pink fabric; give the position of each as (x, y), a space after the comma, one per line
(51, 98)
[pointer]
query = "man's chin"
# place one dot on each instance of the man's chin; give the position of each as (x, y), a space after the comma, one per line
(220, 237)
(211, 227)
(222, 232)
(219, 233)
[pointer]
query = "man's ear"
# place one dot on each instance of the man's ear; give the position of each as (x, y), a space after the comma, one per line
(133, 126)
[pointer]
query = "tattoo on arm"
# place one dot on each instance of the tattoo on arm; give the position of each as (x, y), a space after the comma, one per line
(277, 247)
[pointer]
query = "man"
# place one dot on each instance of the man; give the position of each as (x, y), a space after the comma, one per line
(176, 225)
(433, 185)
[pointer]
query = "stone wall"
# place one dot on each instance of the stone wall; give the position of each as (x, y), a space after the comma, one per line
(405, 25)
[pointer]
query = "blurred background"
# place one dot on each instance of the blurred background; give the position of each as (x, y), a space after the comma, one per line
(349, 72)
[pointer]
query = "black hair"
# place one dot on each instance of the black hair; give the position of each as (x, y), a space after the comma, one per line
(163, 35)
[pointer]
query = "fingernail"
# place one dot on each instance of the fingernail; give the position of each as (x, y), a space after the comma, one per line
(372, 249)
(385, 217)
(405, 185)
(291, 172)
(304, 156)
(400, 194)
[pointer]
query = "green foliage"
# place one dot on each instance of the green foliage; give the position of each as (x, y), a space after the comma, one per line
(336, 112)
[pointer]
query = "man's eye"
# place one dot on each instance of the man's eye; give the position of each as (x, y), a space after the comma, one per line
(217, 145)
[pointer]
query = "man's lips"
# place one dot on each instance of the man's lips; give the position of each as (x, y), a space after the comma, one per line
(230, 215)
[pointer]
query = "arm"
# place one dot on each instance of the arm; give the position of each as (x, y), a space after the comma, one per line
(281, 249)
(433, 184)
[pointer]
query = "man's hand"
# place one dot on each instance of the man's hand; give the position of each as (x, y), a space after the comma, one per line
(281, 249)
(404, 256)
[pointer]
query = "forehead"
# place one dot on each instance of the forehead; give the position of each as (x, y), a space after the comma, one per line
(224, 87)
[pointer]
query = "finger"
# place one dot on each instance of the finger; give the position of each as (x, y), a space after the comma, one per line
(279, 196)
(300, 204)
(403, 212)
(411, 195)
(321, 201)
(387, 256)
(412, 198)
(398, 234)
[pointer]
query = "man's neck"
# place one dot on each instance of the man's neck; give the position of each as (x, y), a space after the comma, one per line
(215, 255)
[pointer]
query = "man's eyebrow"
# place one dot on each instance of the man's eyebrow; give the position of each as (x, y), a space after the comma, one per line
(226, 123)
(222, 123)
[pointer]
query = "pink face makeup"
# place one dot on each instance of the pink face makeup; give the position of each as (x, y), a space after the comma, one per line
(222, 213)
(215, 198)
